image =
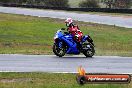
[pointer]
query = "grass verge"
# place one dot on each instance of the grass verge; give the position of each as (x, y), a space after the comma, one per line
(33, 35)
(48, 80)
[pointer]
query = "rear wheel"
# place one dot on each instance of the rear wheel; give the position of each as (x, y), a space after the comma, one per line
(59, 51)
(88, 50)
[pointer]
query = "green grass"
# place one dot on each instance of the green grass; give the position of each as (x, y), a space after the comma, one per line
(125, 15)
(48, 80)
(19, 34)
(74, 3)
(33, 35)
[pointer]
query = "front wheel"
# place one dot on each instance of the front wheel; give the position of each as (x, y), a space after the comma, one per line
(89, 52)
(58, 51)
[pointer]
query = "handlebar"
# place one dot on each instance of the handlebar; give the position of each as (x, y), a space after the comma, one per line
(62, 28)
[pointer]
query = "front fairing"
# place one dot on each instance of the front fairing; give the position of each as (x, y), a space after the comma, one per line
(68, 40)
(58, 34)
(69, 36)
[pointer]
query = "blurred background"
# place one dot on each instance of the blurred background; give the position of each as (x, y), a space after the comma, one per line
(126, 4)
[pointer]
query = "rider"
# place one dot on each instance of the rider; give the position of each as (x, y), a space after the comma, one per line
(74, 30)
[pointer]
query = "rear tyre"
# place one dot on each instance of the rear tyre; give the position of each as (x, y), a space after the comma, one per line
(59, 51)
(90, 51)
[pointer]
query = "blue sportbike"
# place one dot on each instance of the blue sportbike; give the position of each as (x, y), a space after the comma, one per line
(64, 43)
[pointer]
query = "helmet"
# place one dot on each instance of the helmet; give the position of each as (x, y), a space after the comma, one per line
(68, 21)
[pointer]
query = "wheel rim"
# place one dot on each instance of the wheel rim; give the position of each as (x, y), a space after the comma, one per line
(90, 52)
(60, 51)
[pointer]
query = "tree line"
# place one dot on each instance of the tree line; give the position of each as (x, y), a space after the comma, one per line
(107, 3)
(65, 3)
(118, 3)
(49, 3)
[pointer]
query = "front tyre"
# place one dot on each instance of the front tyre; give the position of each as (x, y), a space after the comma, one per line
(58, 51)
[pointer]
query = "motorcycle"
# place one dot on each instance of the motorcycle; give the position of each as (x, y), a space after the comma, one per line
(64, 43)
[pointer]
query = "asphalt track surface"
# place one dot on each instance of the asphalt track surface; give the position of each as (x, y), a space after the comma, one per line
(102, 19)
(67, 64)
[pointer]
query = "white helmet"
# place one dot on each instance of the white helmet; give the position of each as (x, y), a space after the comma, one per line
(68, 21)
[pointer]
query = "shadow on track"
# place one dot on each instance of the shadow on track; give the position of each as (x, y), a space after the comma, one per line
(73, 57)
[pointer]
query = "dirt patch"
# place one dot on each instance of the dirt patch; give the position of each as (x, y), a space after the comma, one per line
(15, 80)
(123, 16)
(55, 20)
(79, 23)
(127, 16)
